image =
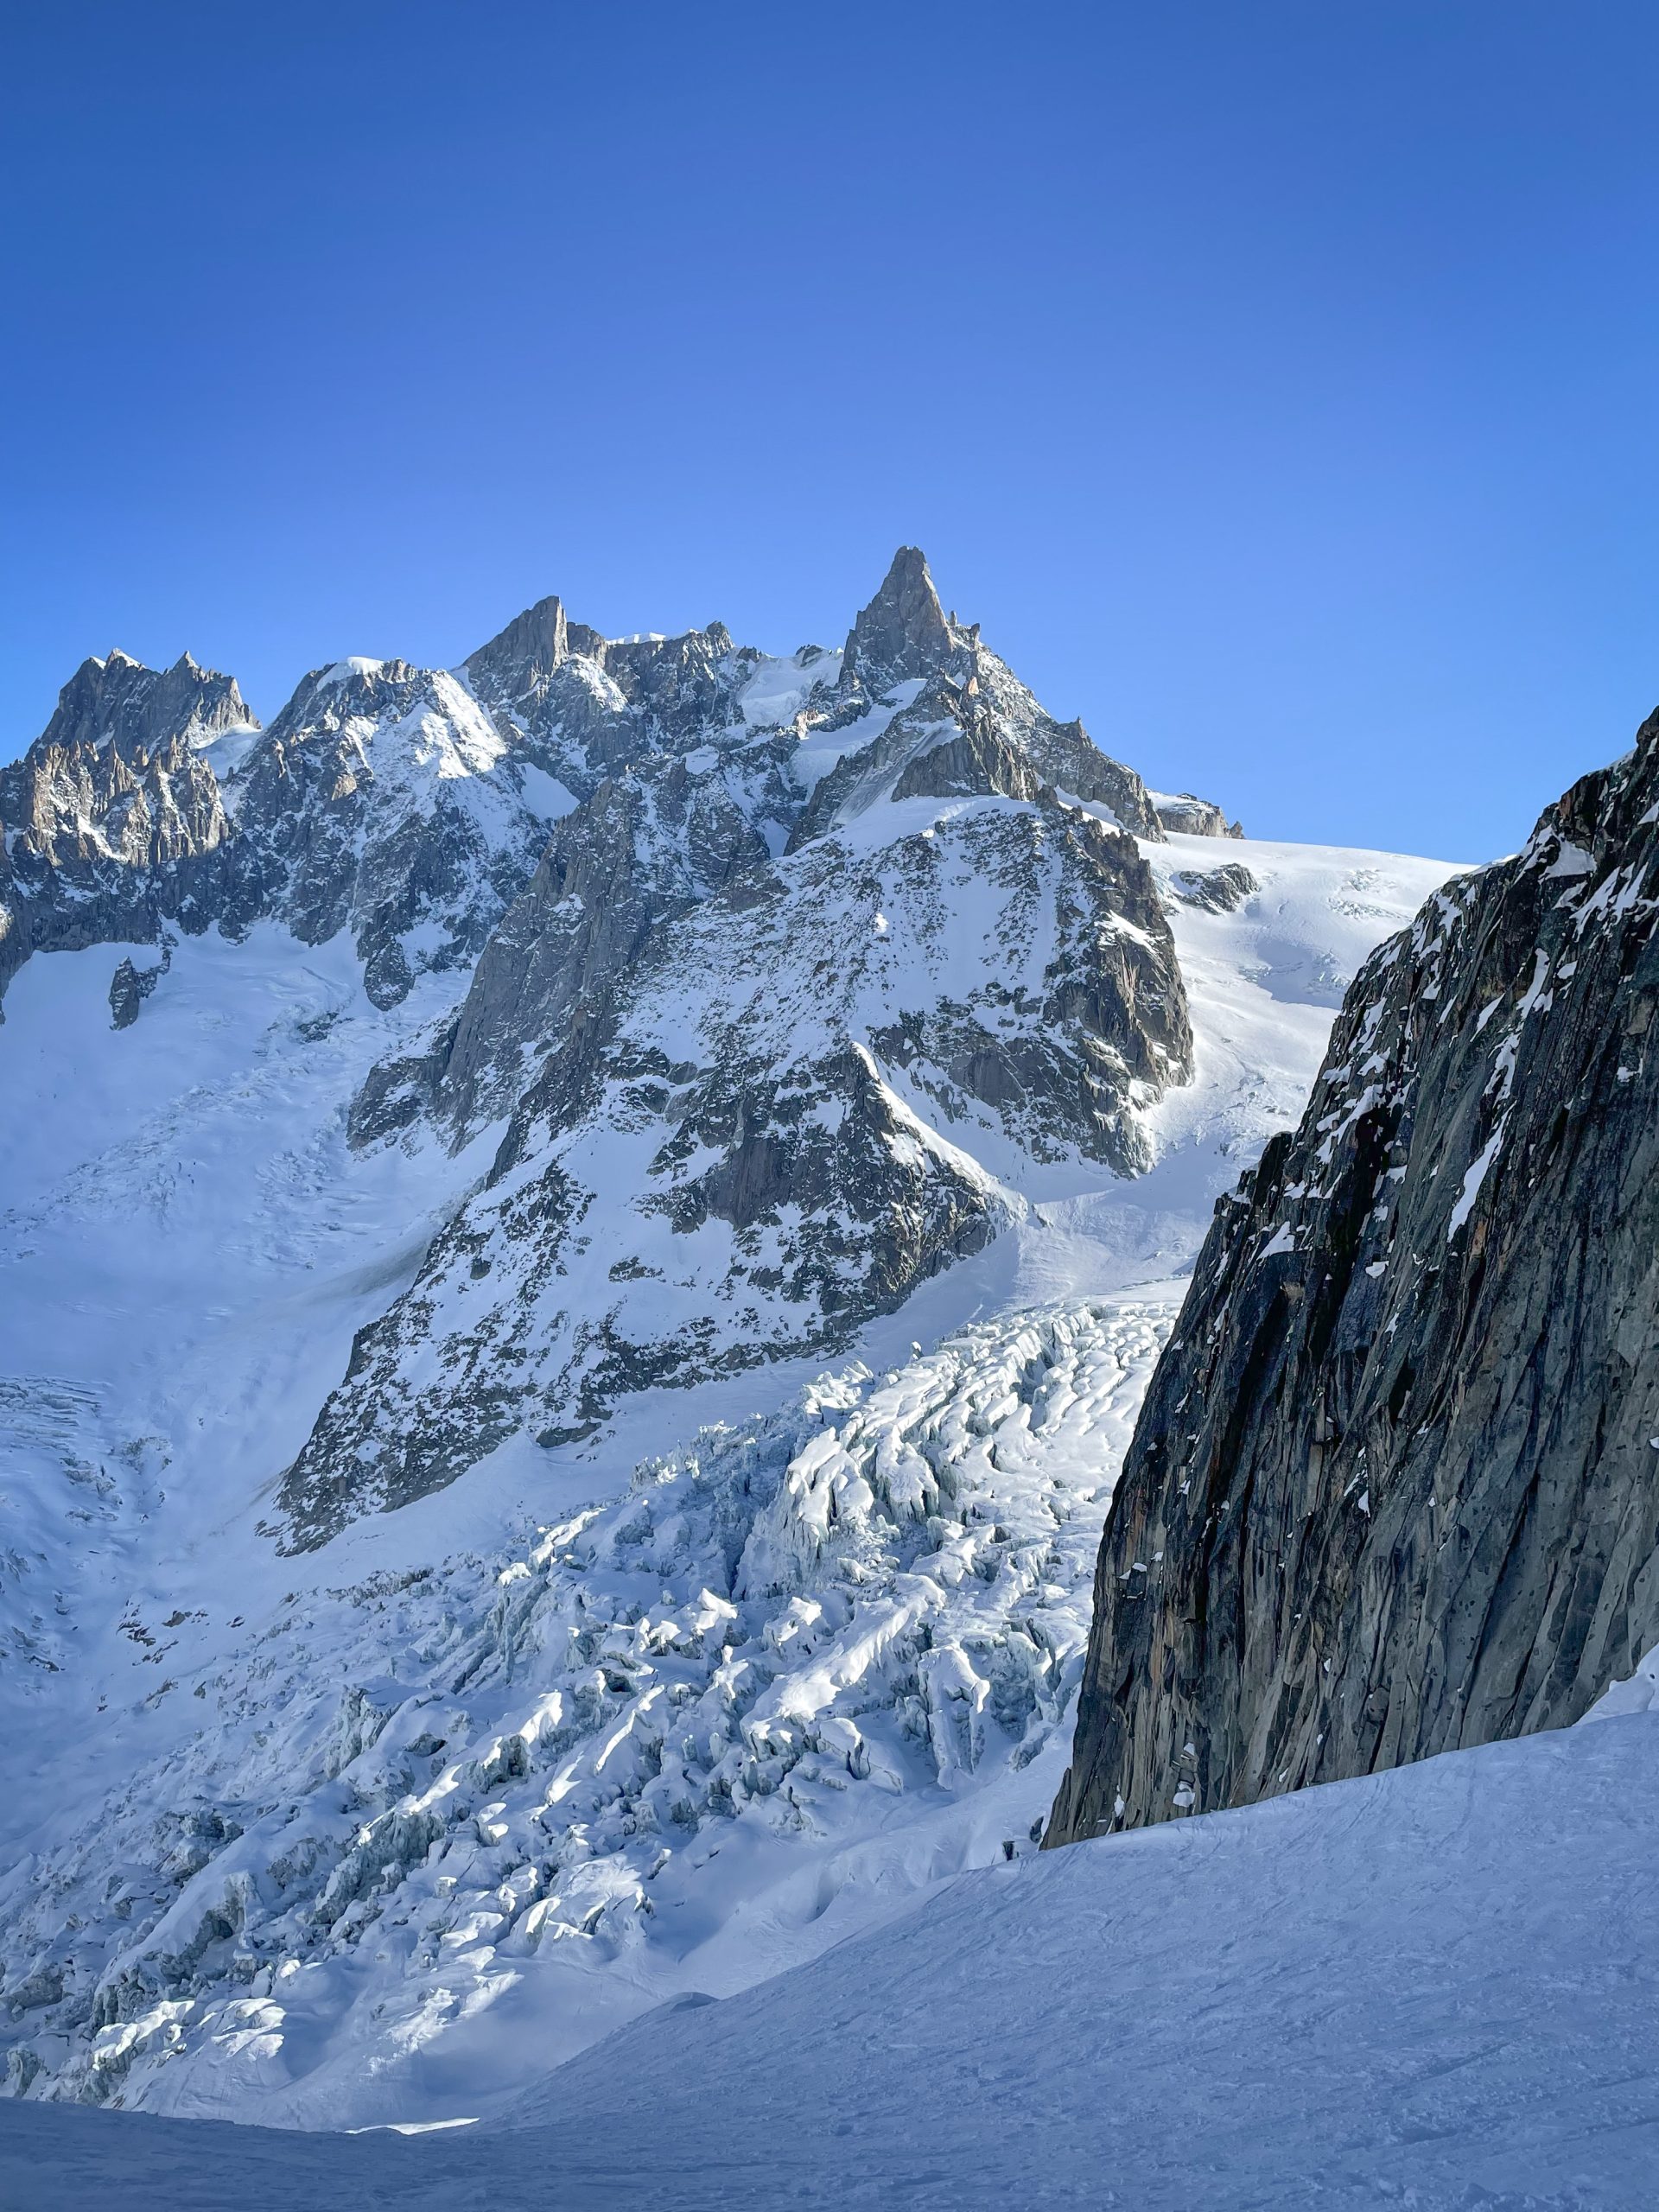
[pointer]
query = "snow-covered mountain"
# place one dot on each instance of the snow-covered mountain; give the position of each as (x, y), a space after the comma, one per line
(112, 823)
(583, 1236)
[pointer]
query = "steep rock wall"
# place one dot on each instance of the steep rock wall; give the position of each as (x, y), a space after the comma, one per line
(1396, 1486)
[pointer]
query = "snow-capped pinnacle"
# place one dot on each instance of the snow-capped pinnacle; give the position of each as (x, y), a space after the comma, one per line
(903, 632)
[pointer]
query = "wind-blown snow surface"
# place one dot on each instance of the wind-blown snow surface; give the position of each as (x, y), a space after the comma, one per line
(383, 1833)
(1426, 1988)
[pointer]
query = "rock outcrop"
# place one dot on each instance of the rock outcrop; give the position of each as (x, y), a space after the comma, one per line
(1186, 815)
(1222, 890)
(1396, 1486)
(112, 822)
(128, 988)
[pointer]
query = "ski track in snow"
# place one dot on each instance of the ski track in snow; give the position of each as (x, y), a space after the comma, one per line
(749, 1672)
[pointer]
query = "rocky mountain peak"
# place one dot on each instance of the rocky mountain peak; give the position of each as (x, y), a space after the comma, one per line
(904, 632)
(326, 697)
(739, 1039)
(119, 703)
(531, 647)
(114, 823)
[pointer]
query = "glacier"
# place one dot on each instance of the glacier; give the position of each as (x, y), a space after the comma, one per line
(237, 1242)
(350, 1784)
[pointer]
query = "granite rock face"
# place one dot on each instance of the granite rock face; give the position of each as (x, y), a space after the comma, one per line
(653, 841)
(904, 639)
(904, 632)
(584, 707)
(119, 706)
(1394, 1489)
(112, 822)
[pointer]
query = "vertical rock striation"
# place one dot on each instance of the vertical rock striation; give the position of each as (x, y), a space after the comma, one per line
(1396, 1486)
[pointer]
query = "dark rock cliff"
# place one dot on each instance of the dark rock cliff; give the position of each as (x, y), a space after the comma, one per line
(1396, 1486)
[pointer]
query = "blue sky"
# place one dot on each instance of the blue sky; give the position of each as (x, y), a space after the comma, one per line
(1276, 382)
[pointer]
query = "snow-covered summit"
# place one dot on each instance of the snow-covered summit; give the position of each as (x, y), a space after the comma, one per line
(385, 800)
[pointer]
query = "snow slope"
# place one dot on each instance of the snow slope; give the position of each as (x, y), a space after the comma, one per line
(237, 1885)
(1425, 1988)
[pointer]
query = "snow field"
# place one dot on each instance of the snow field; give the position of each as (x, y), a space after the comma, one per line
(1424, 1989)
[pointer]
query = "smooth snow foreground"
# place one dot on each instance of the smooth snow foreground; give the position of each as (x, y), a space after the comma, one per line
(1432, 1988)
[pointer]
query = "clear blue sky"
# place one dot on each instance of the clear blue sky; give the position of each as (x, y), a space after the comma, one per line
(1276, 382)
